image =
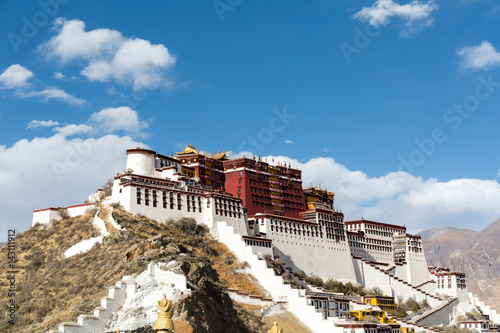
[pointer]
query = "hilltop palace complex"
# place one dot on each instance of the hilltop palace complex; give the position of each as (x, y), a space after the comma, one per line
(267, 207)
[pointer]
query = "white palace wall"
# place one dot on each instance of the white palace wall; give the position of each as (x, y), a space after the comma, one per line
(418, 272)
(310, 253)
(204, 209)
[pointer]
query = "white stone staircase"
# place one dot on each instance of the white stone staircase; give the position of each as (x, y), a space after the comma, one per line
(443, 313)
(379, 278)
(486, 309)
(417, 327)
(280, 292)
(103, 313)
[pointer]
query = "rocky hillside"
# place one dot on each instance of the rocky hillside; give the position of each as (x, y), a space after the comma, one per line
(475, 253)
(51, 289)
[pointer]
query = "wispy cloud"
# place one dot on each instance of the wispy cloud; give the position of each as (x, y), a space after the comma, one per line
(17, 78)
(416, 15)
(42, 123)
(72, 130)
(289, 142)
(482, 56)
(62, 77)
(106, 121)
(110, 56)
(54, 93)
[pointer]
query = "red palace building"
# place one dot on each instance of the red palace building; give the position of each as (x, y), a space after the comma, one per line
(263, 188)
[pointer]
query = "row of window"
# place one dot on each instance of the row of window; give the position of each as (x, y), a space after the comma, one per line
(370, 247)
(299, 232)
(293, 224)
(252, 242)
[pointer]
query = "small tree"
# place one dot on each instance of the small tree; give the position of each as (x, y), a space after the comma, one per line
(414, 307)
(108, 188)
(315, 280)
(63, 213)
(425, 304)
(376, 291)
(371, 319)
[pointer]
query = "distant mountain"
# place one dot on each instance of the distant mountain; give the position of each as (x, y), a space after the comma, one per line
(475, 253)
(440, 244)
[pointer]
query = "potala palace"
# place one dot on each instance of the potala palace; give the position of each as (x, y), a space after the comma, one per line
(258, 207)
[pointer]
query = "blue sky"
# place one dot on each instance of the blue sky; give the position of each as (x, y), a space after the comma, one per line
(363, 95)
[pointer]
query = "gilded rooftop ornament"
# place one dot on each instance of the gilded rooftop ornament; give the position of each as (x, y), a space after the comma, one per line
(275, 328)
(164, 323)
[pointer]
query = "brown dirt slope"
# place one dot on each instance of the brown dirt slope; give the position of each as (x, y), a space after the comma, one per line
(51, 289)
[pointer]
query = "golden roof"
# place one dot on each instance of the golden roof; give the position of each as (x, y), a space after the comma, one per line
(221, 156)
(190, 149)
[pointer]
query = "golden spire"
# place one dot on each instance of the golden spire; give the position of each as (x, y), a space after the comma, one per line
(275, 329)
(164, 323)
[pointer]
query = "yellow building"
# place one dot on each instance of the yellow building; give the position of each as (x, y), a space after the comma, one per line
(385, 303)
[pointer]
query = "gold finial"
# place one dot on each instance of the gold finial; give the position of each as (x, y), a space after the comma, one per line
(219, 151)
(118, 331)
(243, 155)
(311, 184)
(275, 329)
(164, 323)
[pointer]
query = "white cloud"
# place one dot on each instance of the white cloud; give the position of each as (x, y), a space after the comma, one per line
(16, 76)
(54, 93)
(73, 42)
(288, 142)
(117, 119)
(59, 76)
(72, 129)
(67, 171)
(482, 56)
(62, 77)
(110, 56)
(326, 150)
(415, 14)
(42, 123)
